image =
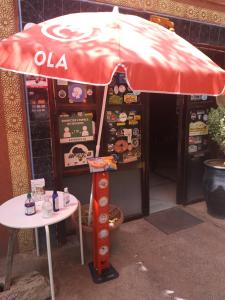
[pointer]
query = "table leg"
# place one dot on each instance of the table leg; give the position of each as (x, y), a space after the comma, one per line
(50, 262)
(9, 259)
(37, 241)
(80, 233)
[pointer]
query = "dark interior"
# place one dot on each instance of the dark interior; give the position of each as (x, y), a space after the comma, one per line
(163, 135)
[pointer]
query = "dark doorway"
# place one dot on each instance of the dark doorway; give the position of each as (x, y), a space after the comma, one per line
(163, 136)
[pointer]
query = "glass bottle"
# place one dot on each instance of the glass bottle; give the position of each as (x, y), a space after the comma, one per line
(34, 194)
(55, 201)
(66, 197)
(30, 208)
(46, 207)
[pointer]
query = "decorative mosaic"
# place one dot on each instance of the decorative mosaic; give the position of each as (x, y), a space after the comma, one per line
(14, 119)
(172, 8)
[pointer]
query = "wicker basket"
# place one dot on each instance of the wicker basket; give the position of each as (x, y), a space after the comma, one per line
(116, 218)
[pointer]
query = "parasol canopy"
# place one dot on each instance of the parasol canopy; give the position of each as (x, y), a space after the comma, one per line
(90, 47)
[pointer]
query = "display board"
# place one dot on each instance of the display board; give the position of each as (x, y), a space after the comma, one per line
(197, 146)
(123, 121)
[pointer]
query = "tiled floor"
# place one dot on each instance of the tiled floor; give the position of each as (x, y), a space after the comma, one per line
(162, 190)
(186, 265)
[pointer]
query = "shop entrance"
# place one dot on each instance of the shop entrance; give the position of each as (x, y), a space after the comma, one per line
(163, 137)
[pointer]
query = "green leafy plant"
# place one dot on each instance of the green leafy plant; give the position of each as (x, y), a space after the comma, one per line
(216, 125)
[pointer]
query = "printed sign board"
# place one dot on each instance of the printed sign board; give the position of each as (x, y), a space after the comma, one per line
(75, 129)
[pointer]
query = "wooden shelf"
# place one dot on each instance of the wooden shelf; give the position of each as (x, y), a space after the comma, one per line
(75, 107)
(79, 170)
(124, 106)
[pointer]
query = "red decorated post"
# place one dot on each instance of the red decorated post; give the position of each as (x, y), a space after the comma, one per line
(100, 268)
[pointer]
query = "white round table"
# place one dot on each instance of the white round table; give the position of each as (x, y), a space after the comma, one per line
(12, 215)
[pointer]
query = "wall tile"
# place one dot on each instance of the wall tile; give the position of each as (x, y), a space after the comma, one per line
(221, 39)
(32, 11)
(49, 179)
(87, 7)
(52, 9)
(103, 8)
(204, 33)
(214, 35)
(195, 32)
(182, 28)
(71, 6)
(40, 130)
(42, 164)
(41, 148)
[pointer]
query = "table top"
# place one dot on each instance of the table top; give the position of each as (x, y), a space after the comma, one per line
(12, 212)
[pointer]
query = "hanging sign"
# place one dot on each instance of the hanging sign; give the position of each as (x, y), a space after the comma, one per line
(75, 129)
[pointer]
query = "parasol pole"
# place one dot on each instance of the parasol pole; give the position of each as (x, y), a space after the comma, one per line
(97, 149)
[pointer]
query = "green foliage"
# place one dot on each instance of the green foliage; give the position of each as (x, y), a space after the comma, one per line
(216, 125)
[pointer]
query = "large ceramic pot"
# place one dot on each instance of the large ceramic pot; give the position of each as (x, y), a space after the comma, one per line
(214, 187)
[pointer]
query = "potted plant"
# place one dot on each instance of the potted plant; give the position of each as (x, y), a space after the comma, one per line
(214, 176)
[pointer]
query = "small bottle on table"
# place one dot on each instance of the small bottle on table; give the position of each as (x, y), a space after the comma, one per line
(55, 201)
(46, 207)
(30, 208)
(66, 197)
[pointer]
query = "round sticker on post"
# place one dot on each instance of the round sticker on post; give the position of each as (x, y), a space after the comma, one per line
(103, 250)
(103, 233)
(103, 183)
(103, 218)
(103, 201)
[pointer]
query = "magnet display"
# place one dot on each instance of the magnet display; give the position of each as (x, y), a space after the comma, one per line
(123, 133)
(123, 136)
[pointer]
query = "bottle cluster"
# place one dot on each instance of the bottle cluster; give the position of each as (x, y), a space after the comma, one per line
(50, 204)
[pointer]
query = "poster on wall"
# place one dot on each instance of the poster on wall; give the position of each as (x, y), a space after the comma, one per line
(36, 82)
(72, 92)
(76, 93)
(76, 129)
(77, 155)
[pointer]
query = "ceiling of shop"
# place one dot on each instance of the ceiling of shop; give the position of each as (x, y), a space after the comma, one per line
(210, 4)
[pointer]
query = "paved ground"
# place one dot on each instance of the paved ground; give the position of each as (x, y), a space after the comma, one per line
(187, 265)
